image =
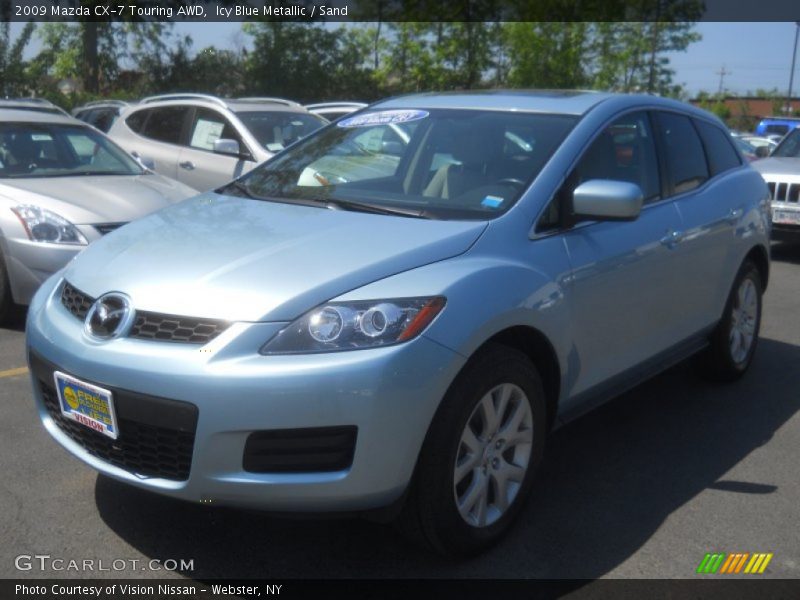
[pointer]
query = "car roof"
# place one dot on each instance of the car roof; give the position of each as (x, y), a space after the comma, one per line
(16, 115)
(569, 102)
(574, 102)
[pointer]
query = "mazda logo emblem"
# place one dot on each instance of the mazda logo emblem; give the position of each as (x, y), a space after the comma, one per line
(109, 317)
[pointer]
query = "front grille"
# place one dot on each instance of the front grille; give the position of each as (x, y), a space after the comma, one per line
(76, 301)
(782, 191)
(311, 450)
(171, 328)
(104, 228)
(150, 325)
(156, 435)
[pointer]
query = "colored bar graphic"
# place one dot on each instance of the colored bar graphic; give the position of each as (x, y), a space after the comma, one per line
(711, 563)
(741, 562)
(764, 564)
(729, 564)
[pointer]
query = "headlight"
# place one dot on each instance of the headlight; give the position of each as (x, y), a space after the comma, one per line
(42, 225)
(355, 325)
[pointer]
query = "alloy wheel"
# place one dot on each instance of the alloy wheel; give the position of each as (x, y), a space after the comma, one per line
(493, 455)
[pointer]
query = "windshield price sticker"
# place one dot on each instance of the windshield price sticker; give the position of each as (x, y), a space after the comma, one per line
(384, 117)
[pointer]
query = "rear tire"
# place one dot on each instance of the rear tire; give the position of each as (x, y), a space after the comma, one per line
(477, 464)
(734, 341)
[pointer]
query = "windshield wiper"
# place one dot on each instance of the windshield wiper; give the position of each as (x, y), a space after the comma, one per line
(240, 187)
(380, 209)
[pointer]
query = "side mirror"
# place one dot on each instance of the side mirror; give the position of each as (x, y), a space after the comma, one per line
(607, 200)
(762, 151)
(392, 148)
(145, 161)
(227, 146)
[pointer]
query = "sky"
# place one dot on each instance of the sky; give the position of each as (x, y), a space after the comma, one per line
(753, 55)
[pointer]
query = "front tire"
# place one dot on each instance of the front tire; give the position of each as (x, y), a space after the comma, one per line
(479, 458)
(734, 341)
(7, 305)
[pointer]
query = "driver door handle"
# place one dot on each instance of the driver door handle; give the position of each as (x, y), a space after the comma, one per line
(734, 214)
(672, 239)
(187, 164)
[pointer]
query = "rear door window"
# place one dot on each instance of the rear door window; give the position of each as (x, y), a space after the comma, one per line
(685, 156)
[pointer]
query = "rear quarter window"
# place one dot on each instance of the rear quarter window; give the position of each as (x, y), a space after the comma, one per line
(721, 153)
(136, 120)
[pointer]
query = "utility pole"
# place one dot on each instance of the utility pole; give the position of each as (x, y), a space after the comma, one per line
(722, 72)
(791, 73)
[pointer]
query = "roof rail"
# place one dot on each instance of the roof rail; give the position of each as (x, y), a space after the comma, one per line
(207, 97)
(98, 102)
(283, 101)
(42, 101)
(334, 104)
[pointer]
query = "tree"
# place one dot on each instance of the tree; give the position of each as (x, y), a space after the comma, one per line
(308, 62)
(95, 53)
(12, 65)
(546, 55)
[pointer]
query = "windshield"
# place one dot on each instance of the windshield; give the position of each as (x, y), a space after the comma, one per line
(276, 130)
(789, 146)
(460, 164)
(53, 150)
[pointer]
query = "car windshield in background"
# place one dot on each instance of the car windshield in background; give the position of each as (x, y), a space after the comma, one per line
(276, 130)
(789, 146)
(451, 164)
(52, 150)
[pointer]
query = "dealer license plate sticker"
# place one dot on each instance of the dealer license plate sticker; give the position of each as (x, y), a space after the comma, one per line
(786, 217)
(87, 404)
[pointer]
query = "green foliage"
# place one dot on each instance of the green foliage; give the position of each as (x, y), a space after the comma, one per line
(361, 61)
(13, 81)
(547, 55)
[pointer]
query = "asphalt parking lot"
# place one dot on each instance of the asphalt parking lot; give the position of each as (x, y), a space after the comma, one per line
(642, 487)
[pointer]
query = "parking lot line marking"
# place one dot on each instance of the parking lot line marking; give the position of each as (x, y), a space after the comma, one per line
(12, 372)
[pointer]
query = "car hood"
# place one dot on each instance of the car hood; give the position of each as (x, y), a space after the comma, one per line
(97, 199)
(777, 165)
(239, 259)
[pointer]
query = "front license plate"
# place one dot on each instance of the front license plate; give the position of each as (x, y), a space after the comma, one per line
(87, 404)
(786, 217)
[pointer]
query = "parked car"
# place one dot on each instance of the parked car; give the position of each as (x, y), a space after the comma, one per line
(749, 151)
(776, 127)
(31, 104)
(62, 186)
(403, 342)
(781, 171)
(759, 142)
(204, 141)
(334, 110)
(100, 113)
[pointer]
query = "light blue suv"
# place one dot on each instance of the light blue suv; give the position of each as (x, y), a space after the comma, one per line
(391, 315)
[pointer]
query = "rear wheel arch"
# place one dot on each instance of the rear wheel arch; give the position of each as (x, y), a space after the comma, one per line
(759, 256)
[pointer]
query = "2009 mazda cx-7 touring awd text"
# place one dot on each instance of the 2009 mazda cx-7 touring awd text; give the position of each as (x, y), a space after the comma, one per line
(395, 311)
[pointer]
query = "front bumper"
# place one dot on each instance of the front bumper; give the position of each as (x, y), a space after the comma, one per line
(30, 263)
(390, 394)
(785, 221)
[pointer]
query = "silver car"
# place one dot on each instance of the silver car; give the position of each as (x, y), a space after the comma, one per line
(204, 141)
(781, 171)
(63, 185)
(322, 335)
